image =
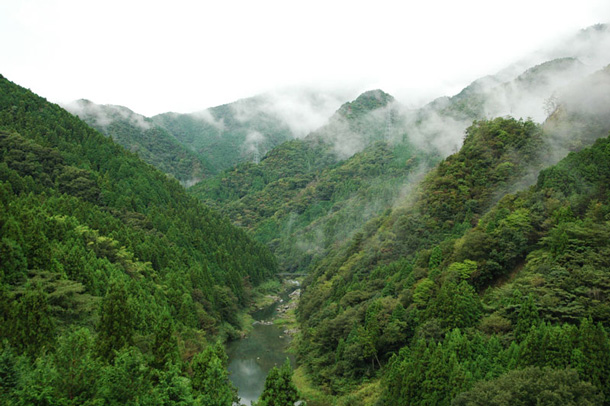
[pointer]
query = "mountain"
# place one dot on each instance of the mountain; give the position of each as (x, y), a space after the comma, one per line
(140, 135)
(228, 134)
(193, 146)
(110, 272)
(243, 131)
(305, 196)
(396, 264)
(353, 168)
(466, 278)
(454, 255)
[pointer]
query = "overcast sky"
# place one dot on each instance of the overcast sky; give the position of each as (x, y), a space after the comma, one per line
(185, 56)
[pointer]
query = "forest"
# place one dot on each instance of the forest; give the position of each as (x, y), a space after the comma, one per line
(110, 272)
(454, 254)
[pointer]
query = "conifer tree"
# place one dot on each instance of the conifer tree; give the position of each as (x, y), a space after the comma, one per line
(279, 388)
(165, 347)
(594, 347)
(34, 326)
(210, 380)
(528, 317)
(77, 371)
(116, 325)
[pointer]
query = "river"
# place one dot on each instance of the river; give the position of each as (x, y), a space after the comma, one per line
(251, 358)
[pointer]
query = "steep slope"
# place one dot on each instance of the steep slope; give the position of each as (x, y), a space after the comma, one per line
(307, 195)
(243, 131)
(545, 251)
(580, 114)
(192, 146)
(531, 94)
(297, 216)
(109, 272)
(437, 129)
(456, 255)
(528, 88)
(450, 199)
(140, 135)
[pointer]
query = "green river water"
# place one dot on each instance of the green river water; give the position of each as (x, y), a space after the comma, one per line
(251, 358)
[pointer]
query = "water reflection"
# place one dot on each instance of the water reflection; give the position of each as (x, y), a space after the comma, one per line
(251, 358)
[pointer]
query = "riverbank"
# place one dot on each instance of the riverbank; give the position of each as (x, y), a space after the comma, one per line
(286, 313)
(263, 344)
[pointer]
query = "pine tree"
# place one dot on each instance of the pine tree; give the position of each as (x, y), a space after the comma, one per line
(279, 388)
(9, 373)
(457, 305)
(126, 381)
(210, 380)
(34, 326)
(77, 370)
(594, 348)
(528, 317)
(116, 325)
(165, 346)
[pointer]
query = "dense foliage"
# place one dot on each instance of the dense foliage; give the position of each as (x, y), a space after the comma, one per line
(464, 288)
(140, 135)
(302, 199)
(109, 270)
(227, 135)
(279, 388)
(485, 283)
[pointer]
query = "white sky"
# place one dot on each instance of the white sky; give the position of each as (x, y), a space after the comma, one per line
(179, 55)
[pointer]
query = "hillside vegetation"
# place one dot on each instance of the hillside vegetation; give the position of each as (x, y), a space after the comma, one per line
(110, 272)
(306, 196)
(140, 135)
(445, 297)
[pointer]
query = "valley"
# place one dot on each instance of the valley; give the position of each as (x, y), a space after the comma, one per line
(456, 253)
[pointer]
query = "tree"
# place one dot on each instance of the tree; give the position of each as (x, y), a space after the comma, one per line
(116, 325)
(33, 326)
(77, 371)
(173, 389)
(279, 388)
(210, 379)
(165, 346)
(456, 305)
(9, 373)
(528, 317)
(593, 356)
(532, 386)
(126, 381)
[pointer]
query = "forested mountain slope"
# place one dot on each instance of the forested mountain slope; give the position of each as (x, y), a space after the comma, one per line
(460, 285)
(243, 131)
(307, 195)
(229, 134)
(195, 145)
(110, 272)
(140, 135)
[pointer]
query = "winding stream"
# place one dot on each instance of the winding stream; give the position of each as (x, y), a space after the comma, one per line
(251, 358)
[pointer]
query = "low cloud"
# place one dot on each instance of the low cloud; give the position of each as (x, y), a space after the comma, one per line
(105, 115)
(302, 111)
(208, 117)
(434, 132)
(254, 145)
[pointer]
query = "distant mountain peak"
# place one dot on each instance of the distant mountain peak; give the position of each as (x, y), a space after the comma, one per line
(366, 102)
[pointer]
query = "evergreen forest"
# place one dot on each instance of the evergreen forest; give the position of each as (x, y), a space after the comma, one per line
(454, 254)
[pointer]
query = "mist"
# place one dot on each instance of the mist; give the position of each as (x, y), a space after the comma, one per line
(302, 110)
(105, 115)
(580, 115)
(207, 117)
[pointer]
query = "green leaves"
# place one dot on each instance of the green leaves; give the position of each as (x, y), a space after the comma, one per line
(210, 380)
(533, 386)
(279, 388)
(117, 321)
